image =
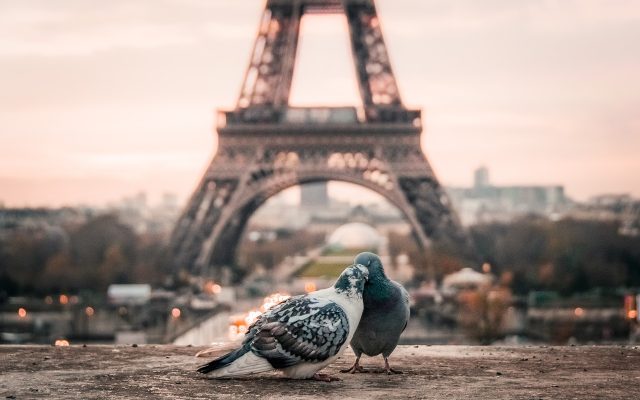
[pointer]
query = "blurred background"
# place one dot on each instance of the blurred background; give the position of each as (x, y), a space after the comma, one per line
(530, 114)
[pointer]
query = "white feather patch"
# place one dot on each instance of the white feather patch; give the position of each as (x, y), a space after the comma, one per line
(245, 365)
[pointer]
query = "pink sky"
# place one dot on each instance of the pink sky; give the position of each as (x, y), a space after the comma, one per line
(99, 100)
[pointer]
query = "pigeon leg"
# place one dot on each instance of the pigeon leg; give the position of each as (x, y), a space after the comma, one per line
(388, 369)
(356, 367)
(325, 378)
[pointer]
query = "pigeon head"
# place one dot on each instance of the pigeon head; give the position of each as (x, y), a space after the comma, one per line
(352, 280)
(372, 263)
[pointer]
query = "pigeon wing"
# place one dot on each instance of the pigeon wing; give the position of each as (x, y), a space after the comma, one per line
(404, 295)
(302, 329)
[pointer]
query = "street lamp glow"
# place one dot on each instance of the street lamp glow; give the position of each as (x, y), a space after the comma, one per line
(272, 300)
(310, 287)
(212, 288)
(486, 268)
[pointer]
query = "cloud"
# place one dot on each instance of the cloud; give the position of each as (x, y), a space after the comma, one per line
(68, 27)
(435, 17)
(67, 43)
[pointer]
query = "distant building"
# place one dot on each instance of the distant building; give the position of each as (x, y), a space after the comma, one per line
(621, 208)
(44, 220)
(310, 214)
(314, 195)
(484, 202)
(385, 219)
(132, 211)
(129, 294)
(614, 202)
(481, 178)
(355, 236)
(136, 212)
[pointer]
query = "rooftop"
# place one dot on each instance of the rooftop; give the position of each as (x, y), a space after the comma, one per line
(431, 372)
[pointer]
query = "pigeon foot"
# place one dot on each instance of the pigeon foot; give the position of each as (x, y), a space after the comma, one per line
(355, 368)
(325, 378)
(391, 371)
(388, 369)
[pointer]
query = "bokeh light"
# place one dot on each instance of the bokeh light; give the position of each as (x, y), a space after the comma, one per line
(310, 287)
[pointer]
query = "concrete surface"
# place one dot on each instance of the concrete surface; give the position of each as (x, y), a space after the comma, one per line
(431, 372)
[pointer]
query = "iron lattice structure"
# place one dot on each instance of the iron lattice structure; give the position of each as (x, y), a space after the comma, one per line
(266, 146)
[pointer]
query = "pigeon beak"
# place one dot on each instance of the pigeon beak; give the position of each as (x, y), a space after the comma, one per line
(364, 270)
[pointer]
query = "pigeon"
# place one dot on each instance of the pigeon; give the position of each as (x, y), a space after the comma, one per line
(301, 335)
(385, 316)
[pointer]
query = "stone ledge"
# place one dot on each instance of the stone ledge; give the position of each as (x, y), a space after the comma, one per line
(431, 372)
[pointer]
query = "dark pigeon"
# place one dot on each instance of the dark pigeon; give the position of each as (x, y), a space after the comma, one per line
(385, 316)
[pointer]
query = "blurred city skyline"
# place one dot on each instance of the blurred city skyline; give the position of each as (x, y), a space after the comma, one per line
(101, 100)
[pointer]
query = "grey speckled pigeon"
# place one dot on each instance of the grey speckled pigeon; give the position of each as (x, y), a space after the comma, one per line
(301, 335)
(385, 316)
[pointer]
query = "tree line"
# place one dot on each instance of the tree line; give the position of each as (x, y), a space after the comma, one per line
(70, 258)
(567, 256)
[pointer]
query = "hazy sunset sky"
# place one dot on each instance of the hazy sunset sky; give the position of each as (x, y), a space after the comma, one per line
(102, 99)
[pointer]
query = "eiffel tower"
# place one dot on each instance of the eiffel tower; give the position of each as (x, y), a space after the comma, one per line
(266, 146)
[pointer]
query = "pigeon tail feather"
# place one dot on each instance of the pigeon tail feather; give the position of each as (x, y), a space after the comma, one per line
(223, 361)
(247, 364)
